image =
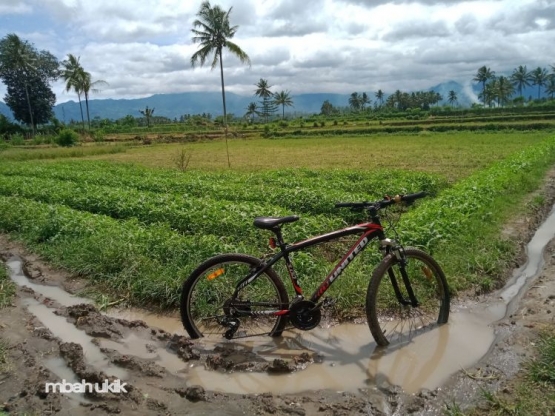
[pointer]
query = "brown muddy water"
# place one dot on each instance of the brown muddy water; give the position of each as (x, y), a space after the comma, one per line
(345, 357)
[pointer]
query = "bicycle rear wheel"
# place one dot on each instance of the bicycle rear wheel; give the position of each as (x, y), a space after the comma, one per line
(207, 307)
(393, 320)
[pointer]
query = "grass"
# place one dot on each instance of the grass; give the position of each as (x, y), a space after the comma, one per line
(531, 393)
(168, 221)
(455, 155)
(49, 153)
(7, 288)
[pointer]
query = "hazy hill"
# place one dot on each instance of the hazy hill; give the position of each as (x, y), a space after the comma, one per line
(176, 105)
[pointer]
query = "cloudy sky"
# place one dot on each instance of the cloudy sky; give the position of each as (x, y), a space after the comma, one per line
(144, 47)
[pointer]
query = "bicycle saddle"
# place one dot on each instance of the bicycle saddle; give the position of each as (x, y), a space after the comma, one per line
(267, 223)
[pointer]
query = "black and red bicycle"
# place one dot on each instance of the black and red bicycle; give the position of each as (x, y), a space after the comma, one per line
(236, 295)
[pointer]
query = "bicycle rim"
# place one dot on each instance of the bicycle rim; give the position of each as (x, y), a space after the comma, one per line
(392, 321)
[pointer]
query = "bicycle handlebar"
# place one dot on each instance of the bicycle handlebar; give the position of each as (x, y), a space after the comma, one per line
(384, 202)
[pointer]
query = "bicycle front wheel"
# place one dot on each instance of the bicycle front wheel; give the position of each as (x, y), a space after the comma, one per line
(208, 308)
(391, 316)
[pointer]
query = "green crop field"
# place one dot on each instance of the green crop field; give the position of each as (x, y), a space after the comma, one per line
(453, 155)
(136, 226)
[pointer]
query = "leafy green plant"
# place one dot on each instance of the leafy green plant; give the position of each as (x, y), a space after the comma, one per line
(542, 368)
(67, 138)
(7, 288)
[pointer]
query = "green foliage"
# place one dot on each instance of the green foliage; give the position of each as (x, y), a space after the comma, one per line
(17, 140)
(80, 215)
(7, 289)
(67, 138)
(26, 72)
(542, 368)
(99, 135)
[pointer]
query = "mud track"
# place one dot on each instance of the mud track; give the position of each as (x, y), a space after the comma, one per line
(49, 335)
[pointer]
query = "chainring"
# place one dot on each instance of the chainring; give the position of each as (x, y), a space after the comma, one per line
(305, 315)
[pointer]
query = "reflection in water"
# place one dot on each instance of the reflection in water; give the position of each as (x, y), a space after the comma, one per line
(351, 360)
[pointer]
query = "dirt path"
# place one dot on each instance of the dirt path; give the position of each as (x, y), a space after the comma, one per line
(49, 335)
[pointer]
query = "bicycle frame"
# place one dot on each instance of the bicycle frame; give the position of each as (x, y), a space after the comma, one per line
(367, 231)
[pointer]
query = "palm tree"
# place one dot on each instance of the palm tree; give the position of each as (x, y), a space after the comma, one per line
(539, 78)
(452, 97)
(214, 36)
(147, 112)
(263, 91)
(355, 101)
(503, 90)
(364, 99)
(488, 95)
(550, 86)
(252, 110)
(72, 74)
(89, 87)
(483, 75)
(282, 98)
(21, 58)
(379, 96)
(521, 78)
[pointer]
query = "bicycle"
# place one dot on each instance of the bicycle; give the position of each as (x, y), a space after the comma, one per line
(407, 293)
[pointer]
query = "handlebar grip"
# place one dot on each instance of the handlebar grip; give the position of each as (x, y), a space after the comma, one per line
(413, 197)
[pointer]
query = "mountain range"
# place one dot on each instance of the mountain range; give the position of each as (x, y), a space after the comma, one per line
(178, 104)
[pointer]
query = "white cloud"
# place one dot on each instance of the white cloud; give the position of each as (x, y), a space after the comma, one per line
(144, 48)
(14, 7)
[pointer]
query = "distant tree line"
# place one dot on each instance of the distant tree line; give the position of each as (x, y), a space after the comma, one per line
(498, 90)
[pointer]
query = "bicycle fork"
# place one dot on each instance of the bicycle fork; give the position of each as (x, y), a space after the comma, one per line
(391, 246)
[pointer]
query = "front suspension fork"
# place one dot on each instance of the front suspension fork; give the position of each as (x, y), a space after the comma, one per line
(391, 247)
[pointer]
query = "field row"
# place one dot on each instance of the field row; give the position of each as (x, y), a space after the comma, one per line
(268, 193)
(138, 233)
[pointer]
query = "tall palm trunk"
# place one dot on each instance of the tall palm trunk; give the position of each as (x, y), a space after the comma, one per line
(30, 109)
(87, 105)
(223, 100)
(81, 108)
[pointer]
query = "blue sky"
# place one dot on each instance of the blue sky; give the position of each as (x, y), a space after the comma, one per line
(143, 47)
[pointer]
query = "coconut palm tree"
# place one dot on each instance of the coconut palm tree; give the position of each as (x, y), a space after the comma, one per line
(503, 90)
(19, 56)
(483, 75)
(364, 99)
(252, 110)
(452, 97)
(521, 78)
(284, 99)
(72, 74)
(550, 86)
(379, 96)
(89, 86)
(539, 78)
(355, 101)
(213, 34)
(263, 91)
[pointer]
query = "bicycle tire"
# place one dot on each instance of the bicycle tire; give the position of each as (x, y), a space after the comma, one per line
(211, 284)
(388, 319)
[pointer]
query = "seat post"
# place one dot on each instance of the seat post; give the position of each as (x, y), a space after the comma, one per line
(279, 236)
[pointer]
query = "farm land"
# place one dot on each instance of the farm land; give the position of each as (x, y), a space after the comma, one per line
(134, 214)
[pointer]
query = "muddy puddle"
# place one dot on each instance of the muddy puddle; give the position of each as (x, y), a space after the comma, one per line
(342, 357)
